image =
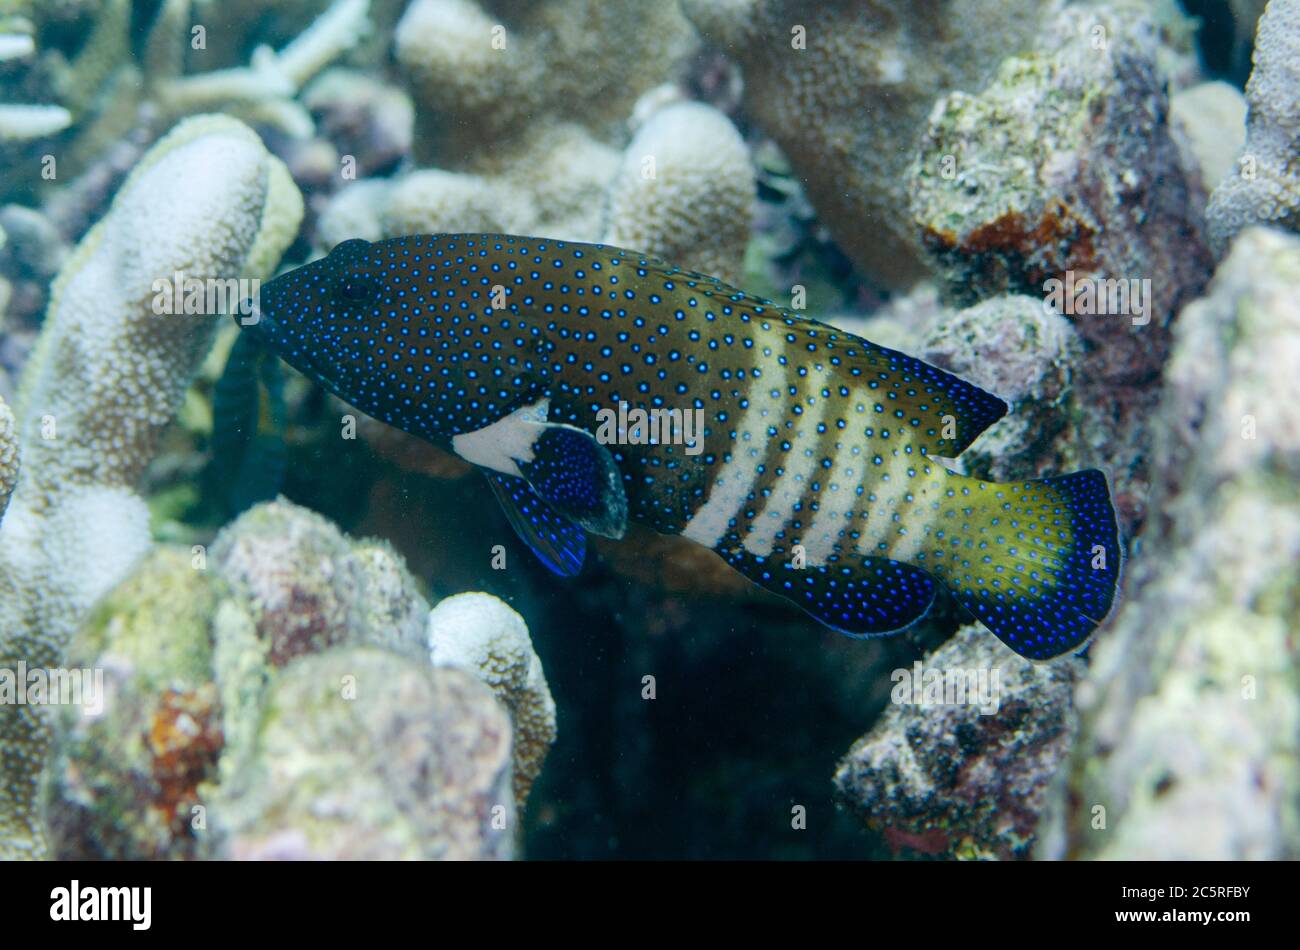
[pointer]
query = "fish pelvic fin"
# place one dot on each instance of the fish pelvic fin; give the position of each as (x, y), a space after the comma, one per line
(1036, 562)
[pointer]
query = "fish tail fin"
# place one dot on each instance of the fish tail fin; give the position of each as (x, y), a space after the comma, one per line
(1037, 562)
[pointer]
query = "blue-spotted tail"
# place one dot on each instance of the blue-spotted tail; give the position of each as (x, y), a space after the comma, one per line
(1037, 562)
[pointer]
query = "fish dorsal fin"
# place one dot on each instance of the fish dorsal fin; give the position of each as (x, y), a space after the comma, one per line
(566, 466)
(558, 543)
(949, 412)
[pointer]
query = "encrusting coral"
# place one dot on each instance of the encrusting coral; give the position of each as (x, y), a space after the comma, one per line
(480, 634)
(1063, 174)
(209, 201)
(845, 88)
(1265, 186)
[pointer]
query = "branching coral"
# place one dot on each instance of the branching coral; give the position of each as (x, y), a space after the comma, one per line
(105, 91)
(1265, 186)
(209, 201)
(484, 637)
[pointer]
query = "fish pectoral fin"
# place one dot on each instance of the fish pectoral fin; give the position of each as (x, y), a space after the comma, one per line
(558, 543)
(865, 597)
(578, 477)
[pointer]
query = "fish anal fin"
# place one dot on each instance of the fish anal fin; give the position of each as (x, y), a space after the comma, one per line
(866, 597)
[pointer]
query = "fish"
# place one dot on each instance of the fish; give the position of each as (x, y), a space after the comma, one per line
(820, 467)
(249, 456)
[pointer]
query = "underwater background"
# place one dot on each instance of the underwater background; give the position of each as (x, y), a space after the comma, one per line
(319, 635)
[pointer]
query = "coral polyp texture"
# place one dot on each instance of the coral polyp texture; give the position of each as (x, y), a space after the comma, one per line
(480, 634)
(209, 201)
(1264, 188)
(845, 88)
(486, 75)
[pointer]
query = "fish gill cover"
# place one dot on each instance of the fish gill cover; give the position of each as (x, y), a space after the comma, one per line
(965, 329)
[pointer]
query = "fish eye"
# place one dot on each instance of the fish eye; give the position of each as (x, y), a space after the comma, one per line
(356, 287)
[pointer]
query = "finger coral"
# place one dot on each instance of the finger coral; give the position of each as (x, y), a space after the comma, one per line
(206, 200)
(1264, 188)
(481, 635)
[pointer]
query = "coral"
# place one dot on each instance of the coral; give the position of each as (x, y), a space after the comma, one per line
(1209, 122)
(685, 191)
(1064, 169)
(481, 635)
(1266, 187)
(692, 206)
(1191, 707)
(265, 90)
(9, 455)
(111, 88)
(19, 122)
(483, 82)
(124, 781)
(524, 144)
(1022, 350)
(959, 778)
(848, 103)
(370, 120)
(273, 696)
(208, 200)
(308, 588)
(514, 144)
(364, 754)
